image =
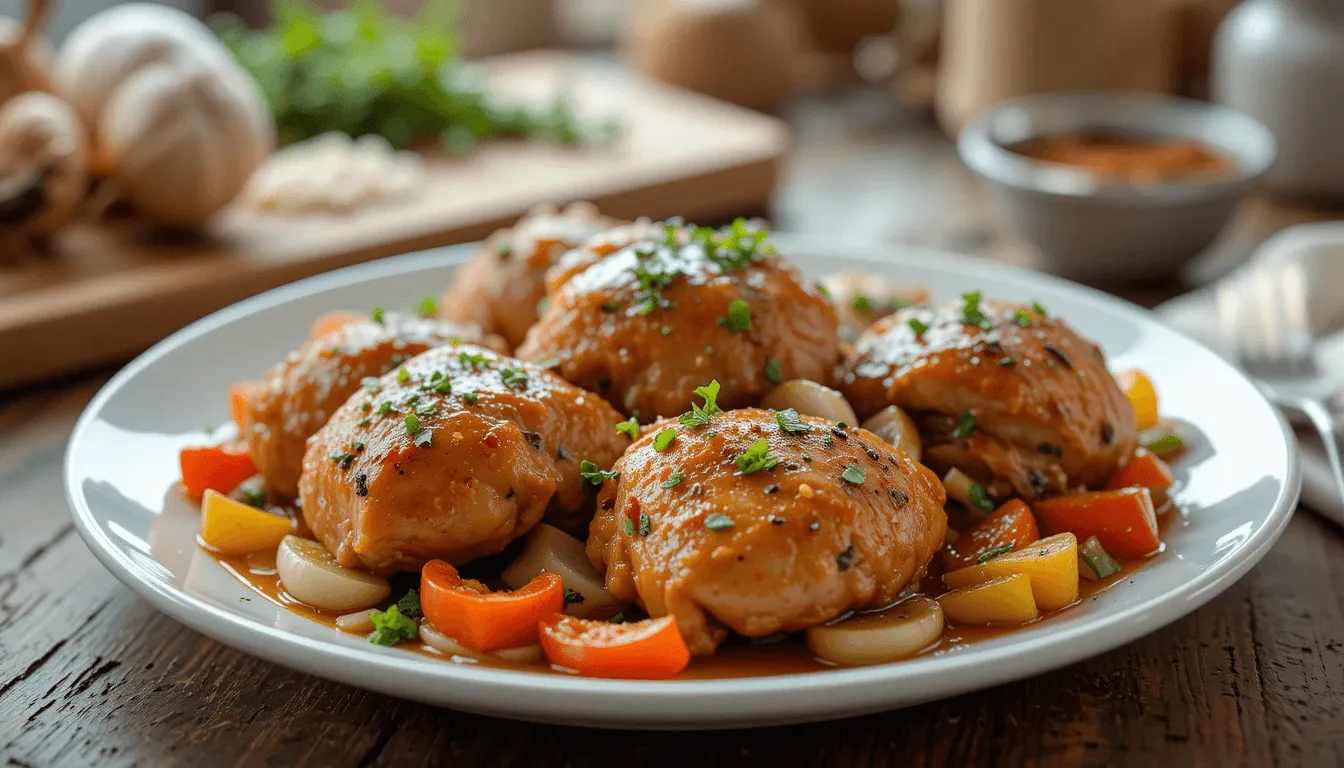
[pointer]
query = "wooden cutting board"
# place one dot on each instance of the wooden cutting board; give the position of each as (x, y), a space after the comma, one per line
(112, 290)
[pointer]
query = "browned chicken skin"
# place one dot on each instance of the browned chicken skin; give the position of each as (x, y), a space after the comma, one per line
(500, 289)
(300, 393)
(1048, 416)
(647, 323)
(805, 544)
(452, 459)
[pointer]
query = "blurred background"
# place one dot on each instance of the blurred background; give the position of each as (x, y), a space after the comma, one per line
(159, 161)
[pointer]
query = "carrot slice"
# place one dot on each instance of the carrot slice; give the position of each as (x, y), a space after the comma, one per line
(1011, 527)
(334, 321)
(215, 468)
(652, 649)
(471, 614)
(1142, 395)
(1123, 520)
(1145, 470)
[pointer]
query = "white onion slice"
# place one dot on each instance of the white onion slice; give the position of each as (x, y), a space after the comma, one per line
(310, 574)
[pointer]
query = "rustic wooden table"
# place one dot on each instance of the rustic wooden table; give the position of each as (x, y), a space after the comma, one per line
(91, 675)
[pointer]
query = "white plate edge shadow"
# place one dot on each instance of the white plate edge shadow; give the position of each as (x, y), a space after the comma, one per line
(739, 702)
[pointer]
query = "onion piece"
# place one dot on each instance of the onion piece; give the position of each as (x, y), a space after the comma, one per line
(811, 399)
(527, 654)
(898, 632)
(550, 550)
(310, 574)
(896, 427)
(358, 623)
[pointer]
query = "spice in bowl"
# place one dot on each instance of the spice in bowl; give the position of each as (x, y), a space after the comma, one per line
(1119, 158)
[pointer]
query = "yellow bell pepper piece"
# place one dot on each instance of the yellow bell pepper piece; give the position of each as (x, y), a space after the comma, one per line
(1005, 600)
(1142, 395)
(233, 528)
(1051, 563)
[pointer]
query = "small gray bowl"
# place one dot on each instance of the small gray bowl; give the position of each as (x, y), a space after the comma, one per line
(1094, 229)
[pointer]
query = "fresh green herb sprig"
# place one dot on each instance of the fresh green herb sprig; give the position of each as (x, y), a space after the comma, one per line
(362, 71)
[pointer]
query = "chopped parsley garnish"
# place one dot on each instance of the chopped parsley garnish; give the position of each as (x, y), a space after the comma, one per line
(366, 421)
(629, 428)
(385, 408)
(253, 497)
(474, 359)
(861, 302)
(627, 526)
(789, 421)
(1038, 309)
(965, 426)
(673, 480)
(739, 316)
(470, 398)
(645, 524)
(1163, 444)
(719, 522)
(444, 386)
(371, 384)
(970, 310)
(409, 605)
(698, 416)
(412, 424)
(756, 458)
(822, 289)
(342, 460)
(807, 457)
(427, 307)
(652, 280)
(1023, 318)
(735, 248)
(403, 376)
(845, 559)
(1007, 361)
(366, 406)
(853, 474)
(918, 326)
(513, 378)
(391, 627)
(979, 498)
(610, 306)
(663, 439)
(377, 315)
(773, 373)
(572, 597)
(595, 474)
(617, 619)
(426, 409)
(356, 446)
(985, 557)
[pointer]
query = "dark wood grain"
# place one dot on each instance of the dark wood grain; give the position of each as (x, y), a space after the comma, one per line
(91, 675)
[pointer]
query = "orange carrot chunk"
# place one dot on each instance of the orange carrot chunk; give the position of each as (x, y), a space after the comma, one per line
(1122, 520)
(215, 468)
(652, 649)
(1145, 470)
(1011, 527)
(468, 612)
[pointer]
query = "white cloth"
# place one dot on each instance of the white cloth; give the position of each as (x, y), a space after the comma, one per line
(1318, 250)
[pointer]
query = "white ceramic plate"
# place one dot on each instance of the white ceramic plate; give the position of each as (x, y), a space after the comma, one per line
(1239, 488)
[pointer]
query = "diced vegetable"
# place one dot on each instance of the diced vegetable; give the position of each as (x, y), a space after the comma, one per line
(1097, 564)
(357, 623)
(526, 654)
(470, 613)
(310, 574)
(811, 399)
(215, 468)
(896, 427)
(1142, 395)
(1005, 600)
(240, 397)
(1012, 525)
(1161, 441)
(652, 649)
(334, 321)
(970, 493)
(896, 633)
(1145, 470)
(1051, 563)
(233, 528)
(550, 550)
(392, 627)
(1123, 520)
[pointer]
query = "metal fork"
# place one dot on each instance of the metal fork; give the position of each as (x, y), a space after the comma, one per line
(1263, 313)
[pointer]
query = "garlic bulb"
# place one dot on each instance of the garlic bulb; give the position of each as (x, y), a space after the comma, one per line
(43, 165)
(109, 47)
(182, 141)
(25, 58)
(334, 172)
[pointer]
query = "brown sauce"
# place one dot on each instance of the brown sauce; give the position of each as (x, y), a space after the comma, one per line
(737, 658)
(1120, 158)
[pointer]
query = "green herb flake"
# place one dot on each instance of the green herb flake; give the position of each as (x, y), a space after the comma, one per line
(822, 289)
(412, 424)
(573, 597)
(444, 386)
(1023, 318)
(645, 524)
(756, 458)
(503, 250)
(845, 559)
(985, 557)
(979, 498)
(918, 326)
(377, 315)
(698, 416)
(513, 378)
(719, 522)
(470, 398)
(673, 480)
(739, 316)
(965, 426)
(409, 604)
(403, 376)
(543, 304)
(854, 475)
(252, 497)
(391, 627)
(627, 526)
(970, 310)
(663, 439)
(861, 302)
(1164, 444)
(773, 373)
(595, 474)
(789, 421)
(427, 307)
(1038, 309)
(629, 428)
(617, 619)
(342, 460)
(473, 359)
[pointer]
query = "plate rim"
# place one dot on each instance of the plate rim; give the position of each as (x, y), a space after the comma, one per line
(693, 700)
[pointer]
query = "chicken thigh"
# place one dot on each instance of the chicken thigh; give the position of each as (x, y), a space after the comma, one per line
(452, 456)
(763, 524)
(300, 393)
(1010, 396)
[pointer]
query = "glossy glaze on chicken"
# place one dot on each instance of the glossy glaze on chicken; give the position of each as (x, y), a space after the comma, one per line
(1010, 396)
